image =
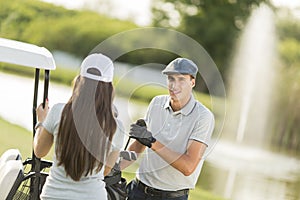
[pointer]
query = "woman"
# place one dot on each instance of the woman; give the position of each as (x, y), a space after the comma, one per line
(82, 130)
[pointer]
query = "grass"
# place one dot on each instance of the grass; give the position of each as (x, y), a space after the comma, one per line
(59, 75)
(16, 137)
(126, 88)
(13, 136)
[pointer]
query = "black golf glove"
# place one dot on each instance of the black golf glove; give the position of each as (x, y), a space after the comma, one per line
(141, 134)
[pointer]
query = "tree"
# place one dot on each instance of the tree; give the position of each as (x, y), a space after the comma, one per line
(215, 24)
(55, 27)
(286, 125)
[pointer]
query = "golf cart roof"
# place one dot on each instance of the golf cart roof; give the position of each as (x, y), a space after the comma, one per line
(25, 54)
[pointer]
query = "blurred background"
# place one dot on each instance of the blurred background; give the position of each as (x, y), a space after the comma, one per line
(255, 45)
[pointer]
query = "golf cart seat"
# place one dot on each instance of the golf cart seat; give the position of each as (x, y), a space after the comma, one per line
(11, 172)
(10, 154)
(11, 175)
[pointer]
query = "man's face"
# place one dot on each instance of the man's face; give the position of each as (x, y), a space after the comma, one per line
(180, 86)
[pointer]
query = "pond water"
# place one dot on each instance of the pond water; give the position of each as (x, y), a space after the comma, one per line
(17, 97)
(231, 170)
(243, 172)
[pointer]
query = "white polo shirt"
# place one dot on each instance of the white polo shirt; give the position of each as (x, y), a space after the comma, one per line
(174, 129)
(60, 186)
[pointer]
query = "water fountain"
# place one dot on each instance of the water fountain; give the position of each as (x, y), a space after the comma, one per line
(239, 165)
(252, 79)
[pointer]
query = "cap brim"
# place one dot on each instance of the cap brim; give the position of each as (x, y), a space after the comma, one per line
(176, 72)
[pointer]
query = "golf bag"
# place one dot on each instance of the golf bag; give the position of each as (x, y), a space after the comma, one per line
(116, 185)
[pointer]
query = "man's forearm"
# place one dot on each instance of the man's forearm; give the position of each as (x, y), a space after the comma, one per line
(185, 163)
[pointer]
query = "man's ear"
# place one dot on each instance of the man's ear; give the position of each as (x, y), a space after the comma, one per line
(193, 81)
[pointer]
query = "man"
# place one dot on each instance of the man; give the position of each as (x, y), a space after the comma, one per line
(177, 133)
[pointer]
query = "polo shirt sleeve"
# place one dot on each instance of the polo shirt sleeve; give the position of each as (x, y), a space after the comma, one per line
(203, 128)
(149, 110)
(53, 118)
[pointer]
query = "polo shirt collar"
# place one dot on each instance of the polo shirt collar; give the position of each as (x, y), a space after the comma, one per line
(167, 103)
(187, 109)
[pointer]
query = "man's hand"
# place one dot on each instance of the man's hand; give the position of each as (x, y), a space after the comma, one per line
(141, 134)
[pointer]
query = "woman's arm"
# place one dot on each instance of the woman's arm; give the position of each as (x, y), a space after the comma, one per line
(43, 140)
(111, 160)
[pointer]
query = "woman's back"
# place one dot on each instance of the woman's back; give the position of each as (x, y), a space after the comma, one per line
(82, 131)
(58, 184)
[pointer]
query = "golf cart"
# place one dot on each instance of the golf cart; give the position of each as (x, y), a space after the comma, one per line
(18, 179)
(25, 180)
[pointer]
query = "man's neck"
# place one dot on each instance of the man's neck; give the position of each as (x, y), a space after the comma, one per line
(177, 104)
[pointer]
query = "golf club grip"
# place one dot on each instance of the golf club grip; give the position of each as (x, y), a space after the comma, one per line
(140, 122)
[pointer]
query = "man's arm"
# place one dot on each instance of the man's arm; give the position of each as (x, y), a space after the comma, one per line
(185, 163)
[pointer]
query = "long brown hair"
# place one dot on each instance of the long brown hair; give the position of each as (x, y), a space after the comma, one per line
(86, 128)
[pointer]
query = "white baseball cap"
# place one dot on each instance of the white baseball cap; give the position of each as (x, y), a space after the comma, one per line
(100, 62)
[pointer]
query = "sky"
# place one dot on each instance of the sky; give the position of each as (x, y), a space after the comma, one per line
(287, 3)
(293, 5)
(139, 10)
(136, 10)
